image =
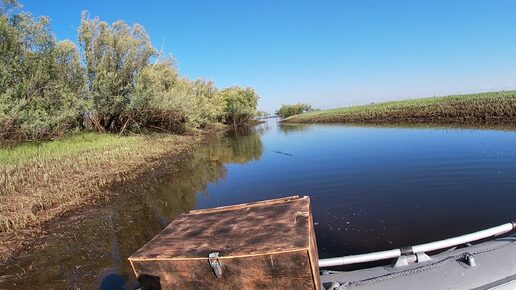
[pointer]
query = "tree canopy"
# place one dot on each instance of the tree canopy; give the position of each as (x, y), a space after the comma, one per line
(240, 105)
(290, 110)
(114, 56)
(41, 79)
(114, 81)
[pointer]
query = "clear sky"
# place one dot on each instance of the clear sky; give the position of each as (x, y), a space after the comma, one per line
(327, 53)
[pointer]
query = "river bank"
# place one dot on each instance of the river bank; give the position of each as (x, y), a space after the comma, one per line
(365, 181)
(482, 108)
(87, 247)
(43, 183)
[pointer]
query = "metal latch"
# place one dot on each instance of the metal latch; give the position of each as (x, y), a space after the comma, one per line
(215, 264)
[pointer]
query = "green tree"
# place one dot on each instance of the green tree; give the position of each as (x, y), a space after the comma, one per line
(41, 80)
(290, 110)
(161, 91)
(159, 99)
(209, 104)
(47, 86)
(240, 105)
(114, 56)
(153, 85)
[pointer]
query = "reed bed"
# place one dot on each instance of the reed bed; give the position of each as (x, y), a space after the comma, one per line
(482, 108)
(40, 181)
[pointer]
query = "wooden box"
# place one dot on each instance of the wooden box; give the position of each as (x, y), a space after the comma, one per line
(263, 245)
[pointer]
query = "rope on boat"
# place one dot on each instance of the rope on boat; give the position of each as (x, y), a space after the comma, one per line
(349, 284)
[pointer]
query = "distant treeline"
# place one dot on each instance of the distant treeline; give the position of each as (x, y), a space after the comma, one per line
(115, 81)
(290, 110)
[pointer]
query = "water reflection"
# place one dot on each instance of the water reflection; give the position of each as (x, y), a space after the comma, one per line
(240, 147)
(293, 128)
(371, 188)
(91, 250)
(113, 281)
(378, 188)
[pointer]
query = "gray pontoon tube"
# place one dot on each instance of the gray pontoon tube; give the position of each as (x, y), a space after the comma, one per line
(443, 244)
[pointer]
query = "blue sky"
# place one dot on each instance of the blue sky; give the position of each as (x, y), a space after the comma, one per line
(327, 53)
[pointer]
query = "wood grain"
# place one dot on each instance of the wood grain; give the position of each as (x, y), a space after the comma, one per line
(263, 245)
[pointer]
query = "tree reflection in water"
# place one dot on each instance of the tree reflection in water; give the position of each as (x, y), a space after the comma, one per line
(293, 128)
(91, 249)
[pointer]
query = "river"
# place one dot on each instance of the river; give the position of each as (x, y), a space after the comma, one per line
(372, 188)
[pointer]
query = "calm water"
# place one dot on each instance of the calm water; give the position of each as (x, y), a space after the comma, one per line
(371, 189)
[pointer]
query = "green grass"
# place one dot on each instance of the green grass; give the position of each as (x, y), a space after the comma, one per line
(54, 150)
(54, 176)
(492, 107)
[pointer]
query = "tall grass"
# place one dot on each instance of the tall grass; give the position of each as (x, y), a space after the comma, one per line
(39, 181)
(493, 107)
(71, 145)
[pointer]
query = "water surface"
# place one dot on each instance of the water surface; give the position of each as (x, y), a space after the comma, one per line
(371, 188)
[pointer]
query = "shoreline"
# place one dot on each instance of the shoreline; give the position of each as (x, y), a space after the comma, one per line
(405, 125)
(76, 191)
(492, 108)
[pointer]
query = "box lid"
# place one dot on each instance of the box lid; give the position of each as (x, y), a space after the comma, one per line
(273, 226)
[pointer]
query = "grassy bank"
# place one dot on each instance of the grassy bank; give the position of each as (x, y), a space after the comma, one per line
(40, 181)
(483, 108)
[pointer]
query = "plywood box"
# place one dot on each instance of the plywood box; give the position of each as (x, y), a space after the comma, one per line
(263, 245)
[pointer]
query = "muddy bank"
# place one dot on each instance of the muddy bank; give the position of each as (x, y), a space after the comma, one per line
(85, 246)
(95, 177)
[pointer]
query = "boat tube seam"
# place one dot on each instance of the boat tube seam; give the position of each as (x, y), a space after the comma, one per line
(422, 248)
(385, 277)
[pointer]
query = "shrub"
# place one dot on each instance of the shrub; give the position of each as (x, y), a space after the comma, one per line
(114, 56)
(240, 105)
(47, 89)
(191, 104)
(41, 79)
(290, 110)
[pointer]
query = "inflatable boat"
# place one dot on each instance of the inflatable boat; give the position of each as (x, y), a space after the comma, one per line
(489, 264)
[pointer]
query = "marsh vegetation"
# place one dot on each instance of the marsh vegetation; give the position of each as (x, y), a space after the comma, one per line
(479, 109)
(102, 236)
(39, 181)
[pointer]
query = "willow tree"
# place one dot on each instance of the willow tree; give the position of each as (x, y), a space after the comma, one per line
(41, 79)
(158, 102)
(114, 56)
(240, 105)
(175, 100)
(290, 110)
(208, 103)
